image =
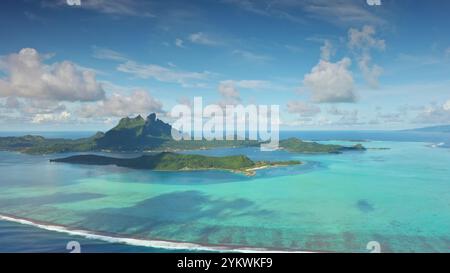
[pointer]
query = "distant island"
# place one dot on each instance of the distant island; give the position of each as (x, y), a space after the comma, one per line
(296, 145)
(168, 161)
(433, 129)
(150, 134)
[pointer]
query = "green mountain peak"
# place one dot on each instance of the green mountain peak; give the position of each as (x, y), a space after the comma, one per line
(132, 133)
(127, 123)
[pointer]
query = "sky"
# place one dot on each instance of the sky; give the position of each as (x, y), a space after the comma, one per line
(329, 65)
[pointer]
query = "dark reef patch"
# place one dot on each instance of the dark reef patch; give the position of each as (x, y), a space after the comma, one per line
(364, 206)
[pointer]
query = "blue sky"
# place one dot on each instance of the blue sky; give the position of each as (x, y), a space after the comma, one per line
(330, 65)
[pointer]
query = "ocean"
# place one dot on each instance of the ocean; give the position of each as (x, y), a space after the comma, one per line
(397, 196)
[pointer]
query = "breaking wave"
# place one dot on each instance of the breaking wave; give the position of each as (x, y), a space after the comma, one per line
(171, 245)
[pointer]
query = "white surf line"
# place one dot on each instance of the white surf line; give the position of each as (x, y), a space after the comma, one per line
(141, 242)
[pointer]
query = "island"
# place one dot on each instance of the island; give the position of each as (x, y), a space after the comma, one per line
(432, 129)
(129, 135)
(296, 145)
(168, 161)
(149, 135)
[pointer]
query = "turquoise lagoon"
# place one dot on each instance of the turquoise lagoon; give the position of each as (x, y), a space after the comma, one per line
(399, 197)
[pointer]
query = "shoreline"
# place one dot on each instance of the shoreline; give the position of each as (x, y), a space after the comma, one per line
(143, 242)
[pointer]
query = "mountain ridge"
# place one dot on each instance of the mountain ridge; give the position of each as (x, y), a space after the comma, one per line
(137, 132)
(151, 134)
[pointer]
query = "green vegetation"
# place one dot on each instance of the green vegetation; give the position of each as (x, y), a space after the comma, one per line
(130, 123)
(296, 145)
(130, 134)
(168, 161)
(150, 134)
(40, 145)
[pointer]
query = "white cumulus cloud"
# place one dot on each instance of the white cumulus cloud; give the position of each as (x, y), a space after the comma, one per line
(370, 72)
(53, 117)
(331, 82)
(117, 105)
(435, 113)
(447, 105)
(28, 77)
(326, 51)
(365, 38)
(179, 43)
(362, 42)
(229, 91)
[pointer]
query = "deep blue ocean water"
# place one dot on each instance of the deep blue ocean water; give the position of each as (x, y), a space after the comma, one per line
(20, 238)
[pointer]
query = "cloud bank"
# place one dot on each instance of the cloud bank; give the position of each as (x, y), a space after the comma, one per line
(117, 105)
(28, 77)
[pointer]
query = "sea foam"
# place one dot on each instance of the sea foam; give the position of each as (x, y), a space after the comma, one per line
(170, 245)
